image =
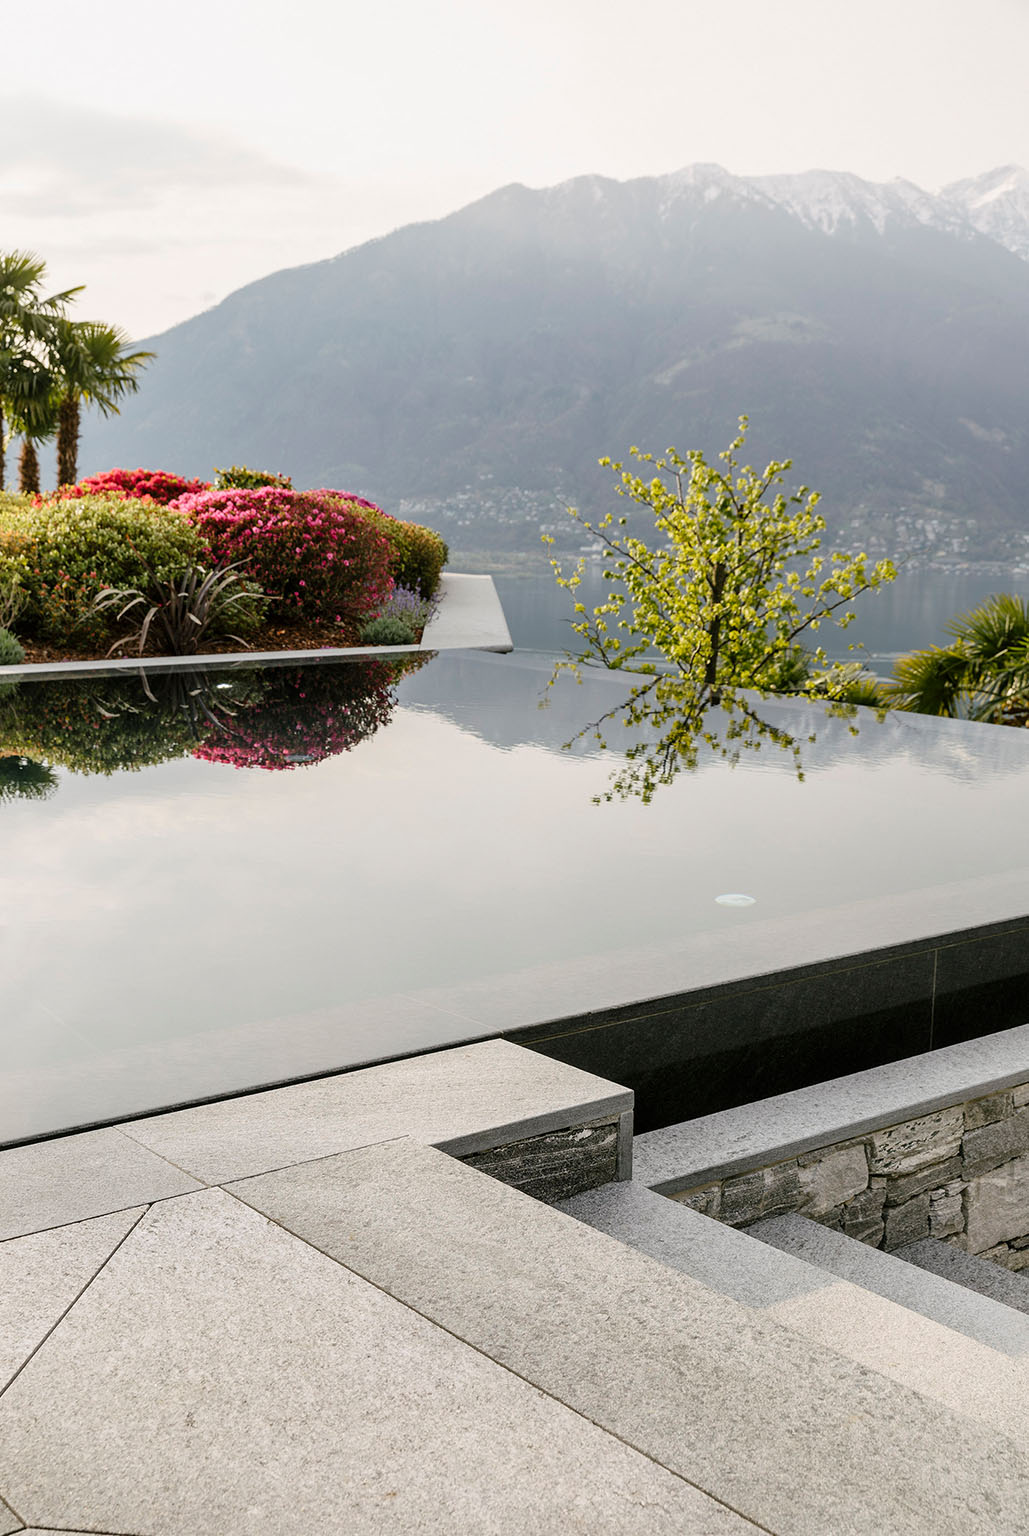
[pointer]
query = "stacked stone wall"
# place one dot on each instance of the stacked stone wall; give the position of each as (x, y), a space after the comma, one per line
(960, 1174)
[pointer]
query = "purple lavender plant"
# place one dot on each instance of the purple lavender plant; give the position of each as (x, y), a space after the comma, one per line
(412, 609)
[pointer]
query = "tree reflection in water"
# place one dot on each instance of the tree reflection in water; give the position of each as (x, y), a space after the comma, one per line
(670, 720)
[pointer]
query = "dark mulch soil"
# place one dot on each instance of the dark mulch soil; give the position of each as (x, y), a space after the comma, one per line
(295, 637)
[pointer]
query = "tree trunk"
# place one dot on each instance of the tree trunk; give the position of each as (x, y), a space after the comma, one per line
(68, 441)
(28, 469)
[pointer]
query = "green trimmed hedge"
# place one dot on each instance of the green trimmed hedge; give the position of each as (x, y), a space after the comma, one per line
(61, 552)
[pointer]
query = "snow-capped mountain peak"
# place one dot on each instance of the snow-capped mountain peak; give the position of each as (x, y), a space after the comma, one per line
(708, 182)
(997, 204)
(834, 200)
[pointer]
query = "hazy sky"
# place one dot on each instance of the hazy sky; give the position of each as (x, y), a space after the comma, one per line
(164, 156)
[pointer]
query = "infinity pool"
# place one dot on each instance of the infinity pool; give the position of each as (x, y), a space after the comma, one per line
(213, 882)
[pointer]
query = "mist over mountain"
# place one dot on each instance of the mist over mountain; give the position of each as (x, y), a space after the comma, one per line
(474, 368)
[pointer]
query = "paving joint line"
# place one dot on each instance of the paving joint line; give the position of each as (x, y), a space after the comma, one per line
(500, 1365)
(78, 1297)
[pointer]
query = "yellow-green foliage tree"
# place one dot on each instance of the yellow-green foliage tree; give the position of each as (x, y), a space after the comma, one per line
(717, 609)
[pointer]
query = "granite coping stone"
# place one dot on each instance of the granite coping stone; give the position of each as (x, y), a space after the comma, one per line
(738, 1405)
(247, 1383)
(53, 1183)
(772, 1130)
(41, 1275)
(978, 1317)
(468, 1099)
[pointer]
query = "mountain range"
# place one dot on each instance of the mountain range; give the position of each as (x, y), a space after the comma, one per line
(472, 369)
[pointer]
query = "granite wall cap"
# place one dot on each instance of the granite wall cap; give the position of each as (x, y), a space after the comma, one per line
(772, 1130)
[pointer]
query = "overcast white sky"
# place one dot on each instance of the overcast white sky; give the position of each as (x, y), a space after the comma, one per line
(165, 155)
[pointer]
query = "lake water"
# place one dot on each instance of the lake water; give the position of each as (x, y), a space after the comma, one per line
(908, 615)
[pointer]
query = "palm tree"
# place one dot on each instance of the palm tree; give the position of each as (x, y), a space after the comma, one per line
(94, 366)
(35, 420)
(28, 324)
(983, 675)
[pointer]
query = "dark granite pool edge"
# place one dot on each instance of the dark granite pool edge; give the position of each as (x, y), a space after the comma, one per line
(711, 1048)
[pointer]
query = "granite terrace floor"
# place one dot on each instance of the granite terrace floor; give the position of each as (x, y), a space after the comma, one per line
(312, 1310)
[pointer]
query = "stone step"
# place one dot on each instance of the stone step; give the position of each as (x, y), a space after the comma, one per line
(973, 1314)
(983, 1374)
(722, 1257)
(969, 1270)
(724, 1395)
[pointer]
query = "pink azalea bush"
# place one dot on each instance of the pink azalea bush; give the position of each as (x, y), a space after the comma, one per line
(156, 484)
(316, 556)
(417, 554)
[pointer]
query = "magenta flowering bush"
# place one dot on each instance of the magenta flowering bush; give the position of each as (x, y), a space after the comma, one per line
(315, 556)
(417, 554)
(157, 484)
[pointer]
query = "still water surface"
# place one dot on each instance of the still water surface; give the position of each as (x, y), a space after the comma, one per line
(182, 918)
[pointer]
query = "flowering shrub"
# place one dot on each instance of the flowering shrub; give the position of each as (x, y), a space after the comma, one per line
(417, 554)
(306, 715)
(314, 555)
(61, 553)
(239, 477)
(156, 484)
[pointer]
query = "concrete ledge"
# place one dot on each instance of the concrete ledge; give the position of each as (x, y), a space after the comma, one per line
(470, 617)
(688, 1155)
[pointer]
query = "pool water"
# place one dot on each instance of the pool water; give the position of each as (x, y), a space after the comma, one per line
(220, 881)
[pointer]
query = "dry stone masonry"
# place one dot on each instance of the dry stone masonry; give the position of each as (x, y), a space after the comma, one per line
(960, 1174)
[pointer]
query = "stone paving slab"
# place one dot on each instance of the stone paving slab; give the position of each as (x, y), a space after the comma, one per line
(9, 1522)
(465, 1100)
(43, 1273)
(53, 1183)
(798, 1439)
(221, 1375)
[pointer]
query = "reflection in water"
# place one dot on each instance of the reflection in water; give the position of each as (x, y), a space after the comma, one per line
(271, 718)
(670, 719)
(23, 779)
